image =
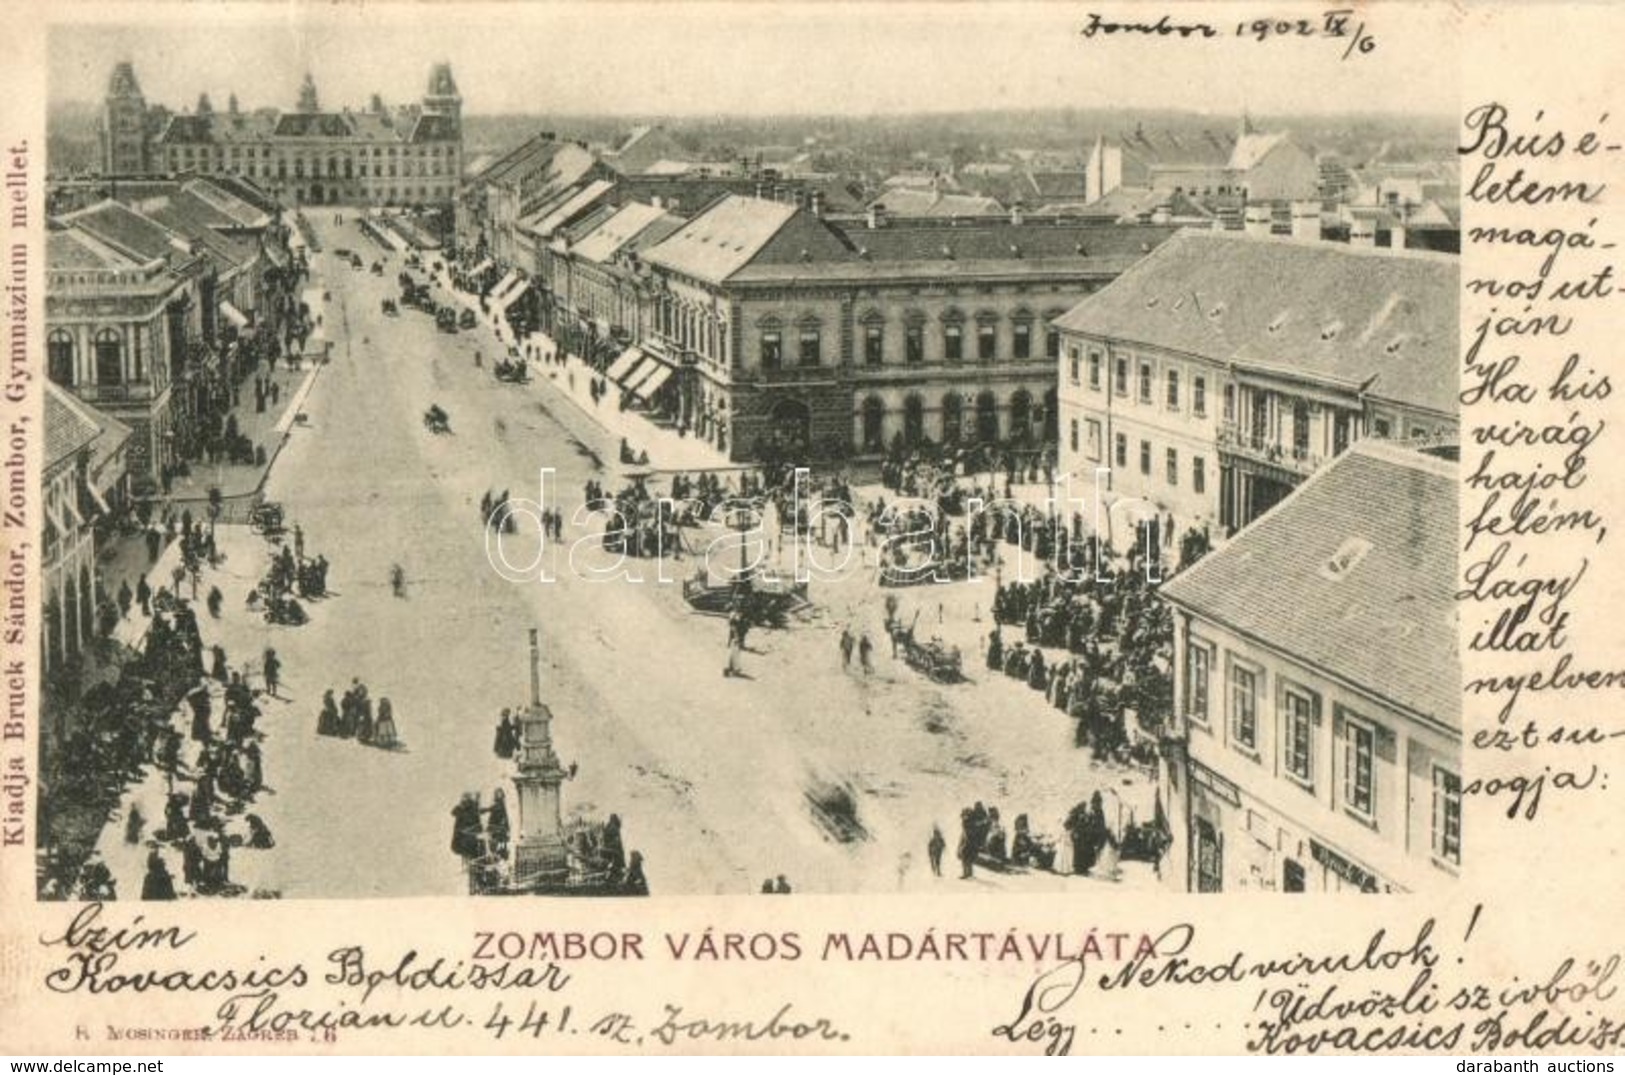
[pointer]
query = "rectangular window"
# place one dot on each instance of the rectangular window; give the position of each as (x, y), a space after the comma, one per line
(1446, 816)
(1300, 430)
(874, 344)
(1021, 340)
(1173, 390)
(1145, 457)
(810, 346)
(987, 341)
(1120, 377)
(1199, 396)
(953, 342)
(1297, 736)
(1074, 434)
(1120, 448)
(1244, 707)
(1173, 466)
(1199, 474)
(1052, 345)
(1094, 438)
(1229, 403)
(772, 350)
(1076, 365)
(914, 344)
(1094, 370)
(1145, 382)
(1359, 767)
(1198, 668)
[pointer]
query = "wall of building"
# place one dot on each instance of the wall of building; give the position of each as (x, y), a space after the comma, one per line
(1266, 814)
(1089, 397)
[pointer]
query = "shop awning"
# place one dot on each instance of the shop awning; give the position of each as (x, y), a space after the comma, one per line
(96, 497)
(507, 298)
(653, 382)
(481, 267)
(505, 283)
(623, 365)
(234, 315)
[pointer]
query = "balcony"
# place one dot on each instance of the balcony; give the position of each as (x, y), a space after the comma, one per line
(789, 374)
(134, 392)
(1245, 443)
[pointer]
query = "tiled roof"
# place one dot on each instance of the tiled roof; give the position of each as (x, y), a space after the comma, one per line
(628, 222)
(565, 206)
(67, 249)
(1388, 320)
(1002, 240)
(239, 211)
(1202, 148)
(1252, 148)
(906, 201)
(126, 230)
(1386, 621)
(68, 428)
(721, 241)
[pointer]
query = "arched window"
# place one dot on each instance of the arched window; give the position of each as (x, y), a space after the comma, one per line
(59, 358)
(874, 424)
(913, 420)
(987, 417)
(109, 357)
(953, 418)
(1021, 415)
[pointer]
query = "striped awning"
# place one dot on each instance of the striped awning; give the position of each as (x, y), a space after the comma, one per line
(234, 315)
(652, 383)
(623, 365)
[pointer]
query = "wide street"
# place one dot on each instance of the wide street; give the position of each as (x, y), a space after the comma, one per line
(707, 773)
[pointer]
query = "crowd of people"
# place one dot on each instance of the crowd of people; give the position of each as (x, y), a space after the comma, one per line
(290, 577)
(161, 712)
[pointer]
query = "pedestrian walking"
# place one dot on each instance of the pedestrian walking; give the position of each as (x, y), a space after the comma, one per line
(934, 848)
(125, 597)
(273, 671)
(866, 650)
(847, 642)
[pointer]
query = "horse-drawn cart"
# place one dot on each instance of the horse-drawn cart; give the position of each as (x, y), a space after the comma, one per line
(935, 658)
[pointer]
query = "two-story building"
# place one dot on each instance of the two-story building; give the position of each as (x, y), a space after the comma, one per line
(848, 338)
(124, 320)
(1316, 738)
(1219, 372)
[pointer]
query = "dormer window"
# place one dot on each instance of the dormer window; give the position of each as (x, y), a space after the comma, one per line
(1345, 559)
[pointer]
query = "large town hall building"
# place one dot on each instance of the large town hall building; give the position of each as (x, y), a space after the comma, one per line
(402, 155)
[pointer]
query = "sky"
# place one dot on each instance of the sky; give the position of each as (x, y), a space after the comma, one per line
(754, 57)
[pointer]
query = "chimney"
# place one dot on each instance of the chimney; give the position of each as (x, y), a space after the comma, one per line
(1160, 215)
(1396, 237)
(816, 198)
(1018, 214)
(1306, 221)
(877, 215)
(1258, 220)
(1362, 232)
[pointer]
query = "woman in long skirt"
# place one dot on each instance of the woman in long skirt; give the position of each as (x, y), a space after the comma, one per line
(383, 732)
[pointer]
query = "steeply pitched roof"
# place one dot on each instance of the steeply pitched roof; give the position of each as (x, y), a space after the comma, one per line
(1252, 148)
(1353, 574)
(68, 428)
(1384, 320)
(1200, 149)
